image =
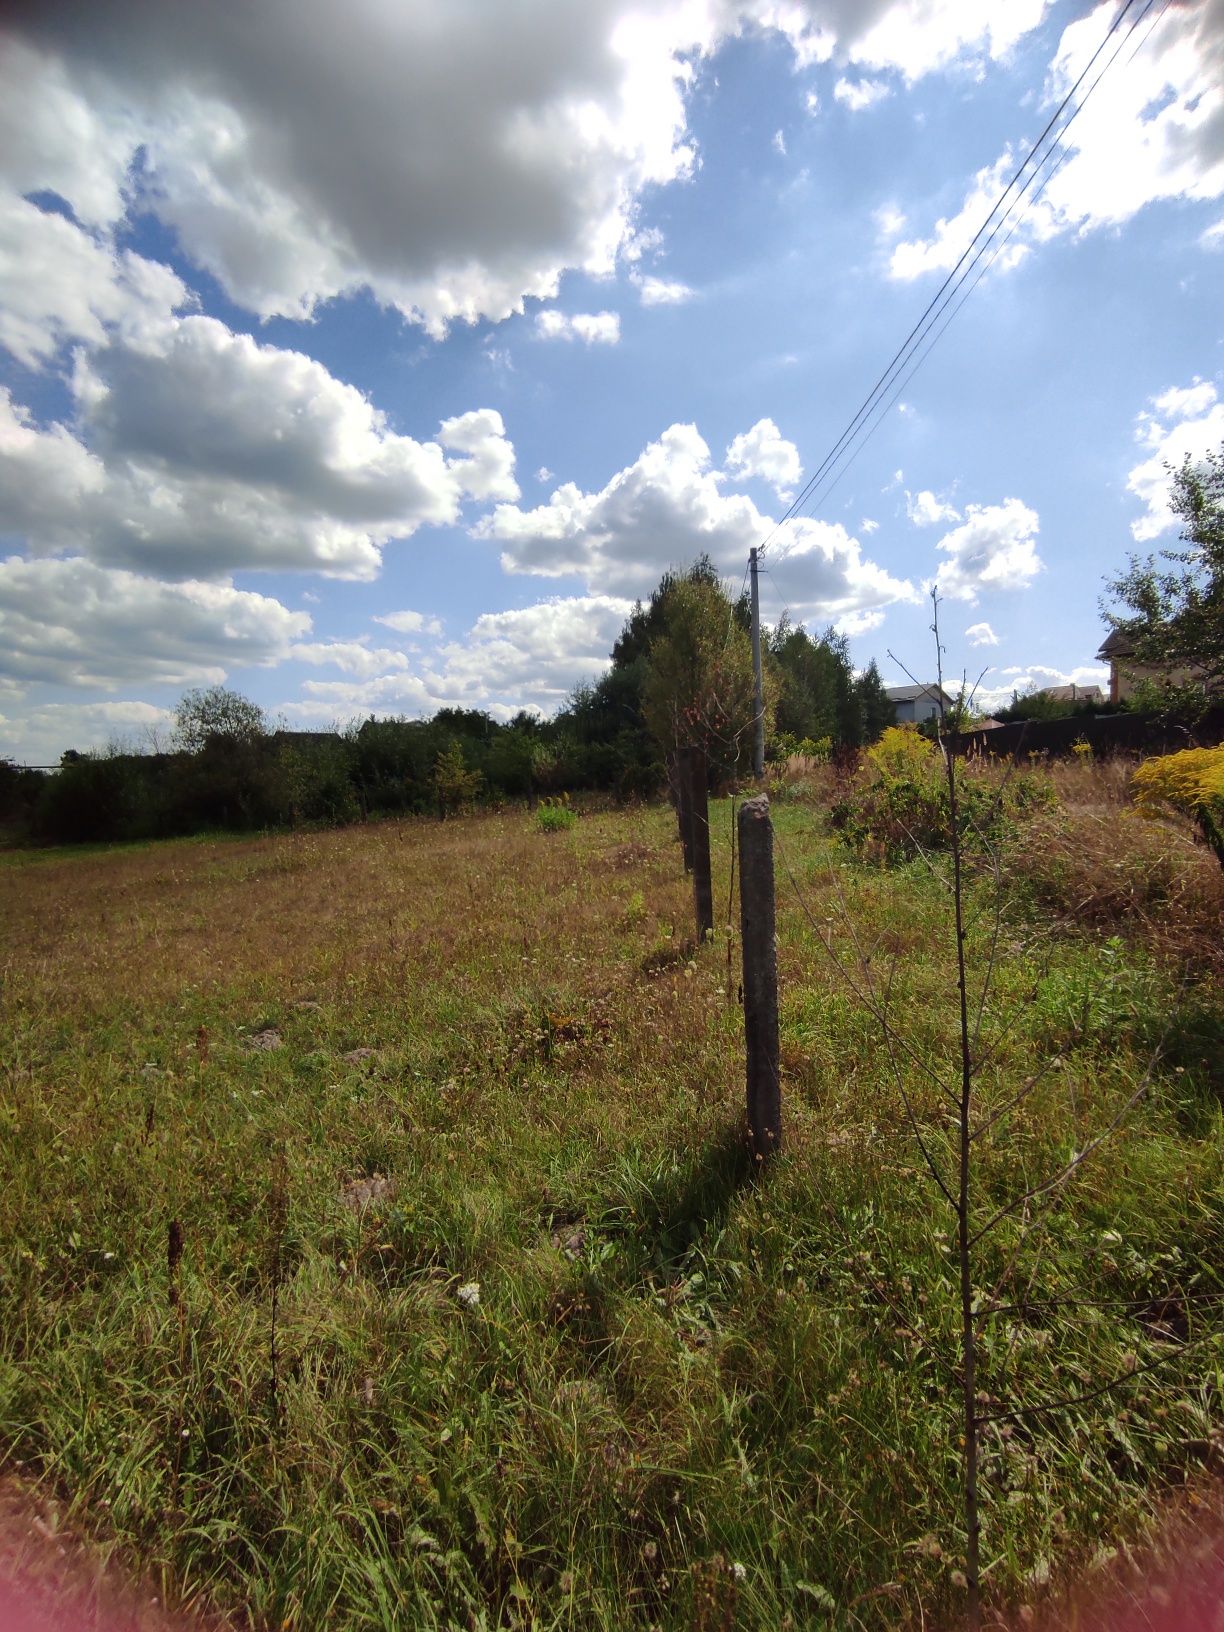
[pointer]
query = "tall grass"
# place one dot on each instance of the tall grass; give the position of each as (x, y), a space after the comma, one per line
(364, 1070)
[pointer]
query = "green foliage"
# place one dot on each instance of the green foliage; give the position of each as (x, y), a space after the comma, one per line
(215, 711)
(1191, 782)
(698, 684)
(1175, 602)
(554, 814)
(454, 785)
(898, 804)
(671, 1370)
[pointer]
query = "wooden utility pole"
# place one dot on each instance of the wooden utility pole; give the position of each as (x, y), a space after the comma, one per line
(760, 977)
(758, 689)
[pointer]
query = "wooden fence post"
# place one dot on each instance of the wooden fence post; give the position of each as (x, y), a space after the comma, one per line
(760, 977)
(679, 778)
(699, 829)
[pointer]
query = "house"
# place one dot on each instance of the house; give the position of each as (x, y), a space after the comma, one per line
(913, 704)
(1125, 674)
(1072, 694)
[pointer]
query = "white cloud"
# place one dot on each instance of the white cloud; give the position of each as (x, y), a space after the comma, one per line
(811, 103)
(889, 220)
(531, 657)
(859, 94)
(73, 623)
(661, 291)
(992, 549)
(39, 735)
(205, 452)
(410, 623)
(1151, 131)
(666, 509)
(763, 451)
(779, 143)
(453, 162)
(981, 634)
(867, 525)
(536, 654)
(918, 37)
(596, 328)
(998, 686)
(1185, 420)
(349, 656)
(860, 623)
(63, 284)
(544, 474)
(925, 510)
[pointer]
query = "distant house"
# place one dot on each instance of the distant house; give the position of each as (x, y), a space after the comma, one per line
(913, 704)
(1072, 694)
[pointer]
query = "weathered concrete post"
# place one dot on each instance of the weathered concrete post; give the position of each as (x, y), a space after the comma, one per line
(699, 828)
(760, 977)
(679, 777)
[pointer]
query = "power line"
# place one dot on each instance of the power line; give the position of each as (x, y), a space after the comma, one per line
(970, 258)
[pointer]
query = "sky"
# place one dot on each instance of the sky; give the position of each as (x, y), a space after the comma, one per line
(371, 359)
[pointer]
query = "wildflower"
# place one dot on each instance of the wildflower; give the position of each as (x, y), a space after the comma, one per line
(739, 1571)
(469, 1294)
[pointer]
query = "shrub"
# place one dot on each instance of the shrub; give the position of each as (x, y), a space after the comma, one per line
(897, 804)
(555, 815)
(1191, 782)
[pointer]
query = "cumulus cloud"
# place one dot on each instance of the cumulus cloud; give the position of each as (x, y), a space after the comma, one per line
(1154, 129)
(453, 162)
(925, 510)
(530, 656)
(39, 735)
(763, 451)
(857, 94)
(981, 634)
(205, 452)
(595, 328)
(74, 623)
(410, 623)
(1185, 420)
(994, 548)
(661, 291)
(64, 284)
(999, 685)
(668, 507)
(349, 656)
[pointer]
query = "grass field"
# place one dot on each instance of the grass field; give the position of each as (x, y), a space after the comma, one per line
(379, 1249)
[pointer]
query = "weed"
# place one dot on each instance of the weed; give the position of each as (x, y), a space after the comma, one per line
(555, 815)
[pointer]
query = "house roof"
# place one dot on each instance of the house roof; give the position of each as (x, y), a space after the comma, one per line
(911, 694)
(1116, 644)
(1073, 694)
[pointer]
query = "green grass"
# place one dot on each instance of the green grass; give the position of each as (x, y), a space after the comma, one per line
(683, 1399)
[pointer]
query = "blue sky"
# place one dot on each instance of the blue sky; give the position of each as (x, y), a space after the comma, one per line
(374, 359)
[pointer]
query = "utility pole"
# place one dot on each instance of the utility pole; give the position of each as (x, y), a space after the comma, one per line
(758, 691)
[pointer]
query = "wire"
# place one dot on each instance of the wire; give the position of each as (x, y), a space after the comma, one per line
(968, 261)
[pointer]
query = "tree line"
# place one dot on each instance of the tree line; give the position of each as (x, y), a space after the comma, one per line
(680, 672)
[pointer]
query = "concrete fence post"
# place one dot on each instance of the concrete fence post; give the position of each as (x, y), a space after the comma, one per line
(760, 953)
(699, 828)
(679, 777)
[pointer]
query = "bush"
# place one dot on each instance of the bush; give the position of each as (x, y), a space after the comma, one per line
(1191, 782)
(555, 815)
(897, 805)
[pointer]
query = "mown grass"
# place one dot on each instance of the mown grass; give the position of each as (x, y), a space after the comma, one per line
(682, 1396)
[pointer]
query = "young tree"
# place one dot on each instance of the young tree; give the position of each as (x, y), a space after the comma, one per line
(698, 685)
(215, 711)
(1175, 619)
